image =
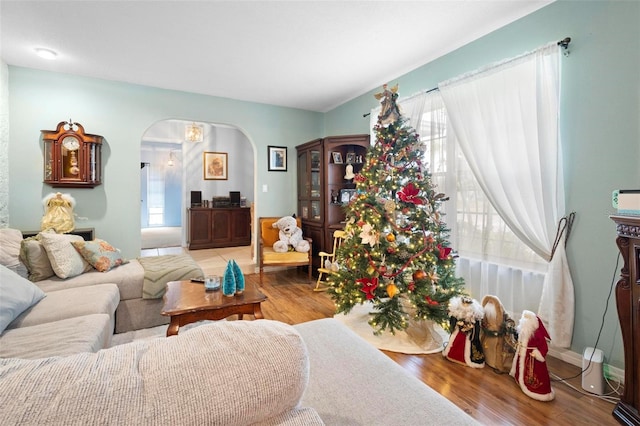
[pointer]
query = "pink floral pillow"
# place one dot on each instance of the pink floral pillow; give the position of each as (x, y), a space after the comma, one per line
(100, 254)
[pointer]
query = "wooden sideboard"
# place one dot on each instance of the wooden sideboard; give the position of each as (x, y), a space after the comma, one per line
(628, 303)
(219, 227)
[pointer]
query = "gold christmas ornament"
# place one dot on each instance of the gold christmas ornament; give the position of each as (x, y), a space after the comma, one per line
(392, 290)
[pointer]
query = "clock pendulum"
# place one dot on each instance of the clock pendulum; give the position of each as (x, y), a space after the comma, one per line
(73, 169)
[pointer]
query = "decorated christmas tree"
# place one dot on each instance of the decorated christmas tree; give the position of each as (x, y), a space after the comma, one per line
(395, 254)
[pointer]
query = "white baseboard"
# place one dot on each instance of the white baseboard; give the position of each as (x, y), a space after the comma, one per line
(574, 358)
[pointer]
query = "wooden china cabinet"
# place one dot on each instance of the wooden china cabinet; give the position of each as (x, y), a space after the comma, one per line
(324, 185)
(628, 303)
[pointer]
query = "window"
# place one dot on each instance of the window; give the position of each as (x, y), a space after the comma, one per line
(477, 231)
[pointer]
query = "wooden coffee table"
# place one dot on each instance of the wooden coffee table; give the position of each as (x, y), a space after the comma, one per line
(186, 302)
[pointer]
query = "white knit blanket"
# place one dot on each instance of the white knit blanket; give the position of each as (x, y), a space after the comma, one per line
(223, 373)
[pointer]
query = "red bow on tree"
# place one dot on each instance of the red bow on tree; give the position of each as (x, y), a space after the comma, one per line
(369, 286)
(430, 301)
(409, 194)
(444, 252)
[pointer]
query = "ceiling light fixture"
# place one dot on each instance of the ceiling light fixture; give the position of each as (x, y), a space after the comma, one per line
(193, 133)
(46, 53)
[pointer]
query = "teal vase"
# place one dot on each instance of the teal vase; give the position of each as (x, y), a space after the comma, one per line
(237, 272)
(229, 281)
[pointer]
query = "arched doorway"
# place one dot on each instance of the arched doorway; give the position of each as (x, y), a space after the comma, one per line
(172, 165)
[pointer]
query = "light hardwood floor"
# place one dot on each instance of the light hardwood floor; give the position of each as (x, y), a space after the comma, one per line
(490, 398)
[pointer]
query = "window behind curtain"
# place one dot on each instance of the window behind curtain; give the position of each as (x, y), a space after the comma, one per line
(477, 231)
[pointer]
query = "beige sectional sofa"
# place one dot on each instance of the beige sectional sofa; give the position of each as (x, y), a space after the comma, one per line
(57, 366)
(78, 313)
(258, 372)
(133, 312)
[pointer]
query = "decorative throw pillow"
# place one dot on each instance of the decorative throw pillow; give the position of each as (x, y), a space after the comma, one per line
(65, 260)
(35, 258)
(100, 254)
(10, 240)
(18, 295)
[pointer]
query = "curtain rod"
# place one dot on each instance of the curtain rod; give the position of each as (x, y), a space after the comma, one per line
(564, 43)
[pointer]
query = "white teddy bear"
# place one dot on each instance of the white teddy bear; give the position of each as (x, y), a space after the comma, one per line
(290, 235)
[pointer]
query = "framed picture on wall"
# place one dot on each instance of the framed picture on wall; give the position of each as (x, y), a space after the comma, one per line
(277, 156)
(215, 166)
(337, 157)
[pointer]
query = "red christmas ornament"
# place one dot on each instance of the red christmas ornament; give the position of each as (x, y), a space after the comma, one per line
(411, 286)
(430, 301)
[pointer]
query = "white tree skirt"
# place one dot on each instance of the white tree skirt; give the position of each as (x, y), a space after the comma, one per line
(420, 338)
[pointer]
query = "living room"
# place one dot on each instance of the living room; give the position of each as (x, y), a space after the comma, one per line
(600, 109)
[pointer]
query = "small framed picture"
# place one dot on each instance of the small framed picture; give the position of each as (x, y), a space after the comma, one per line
(351, 157)
(277, 156)
(346, 195)
(337, 157)
(215, 166)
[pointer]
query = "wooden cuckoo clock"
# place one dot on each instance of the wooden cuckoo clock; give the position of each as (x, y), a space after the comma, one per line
(72, 158)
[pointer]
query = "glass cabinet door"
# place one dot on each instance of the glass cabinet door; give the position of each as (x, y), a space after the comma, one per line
(49, 166)
(309, 185)
(304, 185)
(316, 189)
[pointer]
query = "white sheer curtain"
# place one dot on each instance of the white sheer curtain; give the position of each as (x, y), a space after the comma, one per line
(505, 118)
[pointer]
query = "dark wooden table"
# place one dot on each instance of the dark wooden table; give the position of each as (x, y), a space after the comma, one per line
(186, 302)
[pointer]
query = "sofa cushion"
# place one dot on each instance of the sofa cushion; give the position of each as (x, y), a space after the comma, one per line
(269, 256)
(34, 256)
(17, 294)
(10, 241)
(225, 373)
(99, 254)
(71, 303)
(88, 333)
(65, 260)
(128, 277)
(345, 369)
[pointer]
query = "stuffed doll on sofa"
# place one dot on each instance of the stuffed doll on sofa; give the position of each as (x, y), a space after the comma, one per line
(290, 236)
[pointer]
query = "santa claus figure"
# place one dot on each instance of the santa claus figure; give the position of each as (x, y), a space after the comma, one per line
(529, 365)
(498, 335)
(464, 345)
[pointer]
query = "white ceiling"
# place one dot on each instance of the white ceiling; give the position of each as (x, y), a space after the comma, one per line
(312, 55)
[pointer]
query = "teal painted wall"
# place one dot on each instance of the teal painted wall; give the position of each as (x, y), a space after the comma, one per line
(122, 113)
(600, 130)
(599, 127)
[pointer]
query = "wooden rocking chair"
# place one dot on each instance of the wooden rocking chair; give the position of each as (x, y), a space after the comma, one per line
(327, 260)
